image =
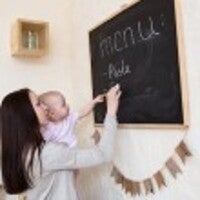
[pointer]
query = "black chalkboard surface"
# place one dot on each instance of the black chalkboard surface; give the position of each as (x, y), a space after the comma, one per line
(138, 49)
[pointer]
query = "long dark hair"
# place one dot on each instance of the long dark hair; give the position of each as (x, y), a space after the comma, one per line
(21, 137)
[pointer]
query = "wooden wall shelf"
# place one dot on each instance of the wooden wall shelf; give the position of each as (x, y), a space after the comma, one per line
(29, 38)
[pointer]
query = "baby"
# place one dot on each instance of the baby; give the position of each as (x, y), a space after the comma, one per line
(62, 121)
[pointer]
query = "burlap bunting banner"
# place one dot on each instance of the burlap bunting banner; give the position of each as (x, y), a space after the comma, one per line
(134, 187)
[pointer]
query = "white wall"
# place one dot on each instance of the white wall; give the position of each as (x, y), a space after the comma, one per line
(139, 153)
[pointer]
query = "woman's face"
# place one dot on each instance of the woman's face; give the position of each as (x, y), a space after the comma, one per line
(40, 108)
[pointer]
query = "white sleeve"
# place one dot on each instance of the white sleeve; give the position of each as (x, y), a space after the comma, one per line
(59, 157)
(74, 116)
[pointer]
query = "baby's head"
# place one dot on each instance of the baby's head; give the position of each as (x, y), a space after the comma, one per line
(56, 105)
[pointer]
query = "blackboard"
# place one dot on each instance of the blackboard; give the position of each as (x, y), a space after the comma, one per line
(138, 48)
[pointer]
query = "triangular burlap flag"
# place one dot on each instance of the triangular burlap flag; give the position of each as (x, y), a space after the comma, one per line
(136, 188)
(123, 182)
(159, 179)
(131, 187)
(148, 186)
(117, 175)
(173, 167)
(119, 179)
(183, 151)
(96, 136)
(114, 172)
(128, 186)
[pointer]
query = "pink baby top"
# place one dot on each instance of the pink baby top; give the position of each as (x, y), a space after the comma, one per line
(62, 131)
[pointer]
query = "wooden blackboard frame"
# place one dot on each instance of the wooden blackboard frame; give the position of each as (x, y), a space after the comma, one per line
(182, 72)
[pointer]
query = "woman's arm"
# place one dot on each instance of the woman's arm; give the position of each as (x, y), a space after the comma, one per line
(57, 156)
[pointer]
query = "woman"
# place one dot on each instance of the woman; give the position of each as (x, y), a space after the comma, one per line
(45, 170)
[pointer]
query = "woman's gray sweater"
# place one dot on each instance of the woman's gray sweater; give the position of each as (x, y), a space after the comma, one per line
(56, 182)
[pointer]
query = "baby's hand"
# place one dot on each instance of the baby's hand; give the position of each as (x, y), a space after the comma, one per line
(99, 98)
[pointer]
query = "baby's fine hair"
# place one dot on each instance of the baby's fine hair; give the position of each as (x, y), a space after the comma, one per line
(47, 98)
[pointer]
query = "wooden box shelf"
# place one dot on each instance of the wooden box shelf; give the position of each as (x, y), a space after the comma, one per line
(29, 38)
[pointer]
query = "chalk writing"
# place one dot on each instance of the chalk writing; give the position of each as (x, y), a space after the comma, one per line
(150, 33)
(123, 39)
(117, 70)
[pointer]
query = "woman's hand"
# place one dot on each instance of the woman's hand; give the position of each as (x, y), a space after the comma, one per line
(112, 97)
